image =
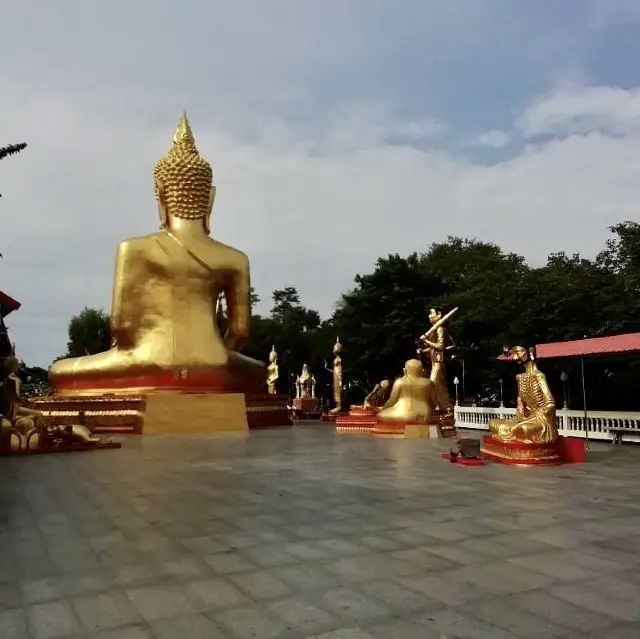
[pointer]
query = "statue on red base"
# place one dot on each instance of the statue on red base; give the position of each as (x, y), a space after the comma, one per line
(530, 436)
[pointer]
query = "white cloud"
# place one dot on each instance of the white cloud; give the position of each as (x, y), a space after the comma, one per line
(493, 139)
(578, 109)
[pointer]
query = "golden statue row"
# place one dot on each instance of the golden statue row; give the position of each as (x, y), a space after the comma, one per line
(169, 370)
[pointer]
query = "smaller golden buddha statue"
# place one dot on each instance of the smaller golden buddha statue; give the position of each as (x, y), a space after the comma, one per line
(16, 410)
(412, 399)
(535, 418)
(336, 371)
(304, 382)
(273, 371)
(27, 424)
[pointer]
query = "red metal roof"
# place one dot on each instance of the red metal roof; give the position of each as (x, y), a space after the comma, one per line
(610, 345)
(8, 304)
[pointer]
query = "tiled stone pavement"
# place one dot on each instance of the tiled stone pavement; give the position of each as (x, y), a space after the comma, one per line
(296, 533)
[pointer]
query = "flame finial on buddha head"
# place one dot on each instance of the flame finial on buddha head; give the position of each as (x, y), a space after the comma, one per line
(182, 178)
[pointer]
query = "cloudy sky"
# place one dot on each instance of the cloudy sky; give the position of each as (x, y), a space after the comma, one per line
(339, 131)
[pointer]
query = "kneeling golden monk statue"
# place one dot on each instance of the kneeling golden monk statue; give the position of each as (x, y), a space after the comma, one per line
(166, 286)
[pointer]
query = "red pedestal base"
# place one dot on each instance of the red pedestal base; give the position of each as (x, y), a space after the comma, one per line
(329, 417)
(307, 405)
(357, 420)
(572, 450)
(521, 454)
(463, 461)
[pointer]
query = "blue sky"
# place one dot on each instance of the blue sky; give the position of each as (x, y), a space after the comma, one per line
(396, 123)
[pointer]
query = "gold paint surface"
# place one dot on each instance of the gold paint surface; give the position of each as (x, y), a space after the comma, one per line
(535, 418)
(165, 290)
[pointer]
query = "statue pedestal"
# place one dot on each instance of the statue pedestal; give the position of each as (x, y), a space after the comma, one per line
(407, 430)
(307, 405)
(167, 412)
(521, 454)
(357, 420)
(447, 423)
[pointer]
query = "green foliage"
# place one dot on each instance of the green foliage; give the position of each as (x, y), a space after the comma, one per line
(89, 333)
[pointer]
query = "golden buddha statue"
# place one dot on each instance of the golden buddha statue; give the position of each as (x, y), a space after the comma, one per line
(273, 371)
(535, 418)
(304, 382)
(436, 349)
(166, 288)
(412, 399)
(336, 371)
(28, 425)
(14, 409)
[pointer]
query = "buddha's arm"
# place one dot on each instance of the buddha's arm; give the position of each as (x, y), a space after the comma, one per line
(119, 322)
(395, 395)
(238, 296)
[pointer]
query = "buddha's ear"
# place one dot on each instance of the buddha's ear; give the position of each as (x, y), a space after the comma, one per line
(162, 206)
(207, 217)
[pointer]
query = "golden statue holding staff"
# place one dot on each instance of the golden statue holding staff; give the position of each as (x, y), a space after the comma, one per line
(436, 348)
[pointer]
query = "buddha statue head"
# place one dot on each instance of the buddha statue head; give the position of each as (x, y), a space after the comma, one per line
(523, 354)
(11, 365)
(273, 356)
(183, 181)
(337, 347)
(413, 368)
(435, 315)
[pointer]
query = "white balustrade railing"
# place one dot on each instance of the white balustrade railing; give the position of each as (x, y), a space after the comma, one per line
(571, 423)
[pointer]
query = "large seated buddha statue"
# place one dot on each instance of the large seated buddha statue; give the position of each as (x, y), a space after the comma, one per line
(412, 398)
(166, 286)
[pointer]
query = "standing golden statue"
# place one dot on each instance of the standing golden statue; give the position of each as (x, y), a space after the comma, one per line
(273, 371)
(304, 383)
(165, 292)
(412, 399)
(336, 371)
(436, 349)
(535, 418)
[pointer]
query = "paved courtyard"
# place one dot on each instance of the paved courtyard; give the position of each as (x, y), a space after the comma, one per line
(297, 533)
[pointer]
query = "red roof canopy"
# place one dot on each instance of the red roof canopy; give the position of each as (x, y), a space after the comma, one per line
(611, 345)
(7, 304)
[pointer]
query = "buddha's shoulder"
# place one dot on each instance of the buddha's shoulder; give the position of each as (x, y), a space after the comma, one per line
(136, 244)
(228, 254)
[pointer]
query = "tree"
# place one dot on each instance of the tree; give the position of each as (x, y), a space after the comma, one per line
(379, 320)
(89, 333)
(11, 149)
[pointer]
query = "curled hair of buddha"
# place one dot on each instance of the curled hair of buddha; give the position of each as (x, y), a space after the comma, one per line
(182, 177)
